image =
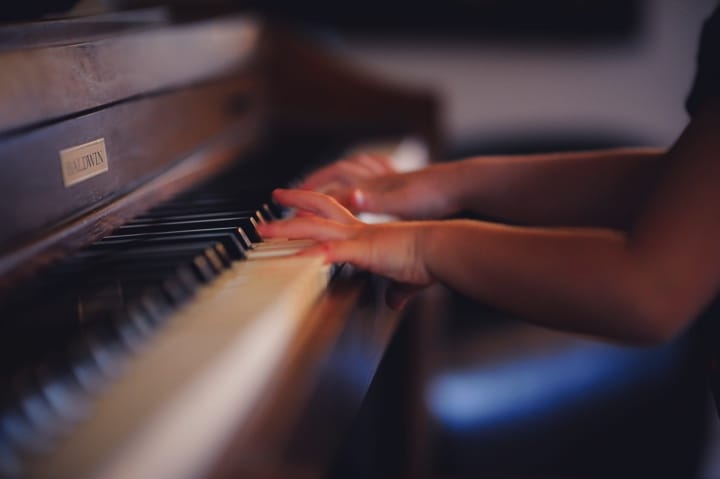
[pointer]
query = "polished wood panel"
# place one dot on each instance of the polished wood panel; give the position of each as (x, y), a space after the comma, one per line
(299, 426)
(142, 138)
(42, 84)
(209, 160)
(61, 31)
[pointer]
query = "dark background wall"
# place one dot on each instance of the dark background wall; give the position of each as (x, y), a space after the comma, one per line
(630, 87)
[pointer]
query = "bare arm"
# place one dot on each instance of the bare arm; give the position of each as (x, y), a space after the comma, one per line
(599, 188)
(643, 285)
(593, 188)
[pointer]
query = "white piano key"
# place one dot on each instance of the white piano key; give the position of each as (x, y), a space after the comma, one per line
(278, 248)
(217, 353)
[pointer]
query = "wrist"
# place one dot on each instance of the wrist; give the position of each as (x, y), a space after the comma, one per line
(427, 242)
(447, 181)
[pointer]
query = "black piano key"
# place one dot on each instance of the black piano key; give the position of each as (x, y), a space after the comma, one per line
(29, 421)
(109, 289)
(138, 323)
(108, 352)
(269, 213)
(62, 393)
(237, 232)
(153, 217)
(38, 411)
(134, 272)
(192, 224)
(150, 268)
(211, 202)
(246, 223)
(96, 358)
(234, 248)
(173, 289)
(260, 214)
(155, 305)
(215, 253)
(43, 422)
(157, 262)
(18, 430)
(126, 252)
(84, 369)
(204, 268)
(109, 295)
(133, 337)
(118, 291)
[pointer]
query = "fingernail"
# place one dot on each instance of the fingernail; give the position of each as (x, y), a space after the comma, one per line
(359, 198)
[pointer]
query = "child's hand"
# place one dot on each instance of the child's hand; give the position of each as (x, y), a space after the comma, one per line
(391, 250)
(369, 184)
(347, 172)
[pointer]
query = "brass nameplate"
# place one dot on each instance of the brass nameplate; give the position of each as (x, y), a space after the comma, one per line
(83, 161)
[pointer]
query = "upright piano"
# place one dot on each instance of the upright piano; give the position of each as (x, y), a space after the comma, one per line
(146, 330)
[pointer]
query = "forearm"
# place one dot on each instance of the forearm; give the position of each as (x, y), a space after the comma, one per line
(581, 280)
(644, 285)
(595, 188)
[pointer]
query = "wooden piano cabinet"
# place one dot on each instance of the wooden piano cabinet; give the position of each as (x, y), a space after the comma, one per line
(348, 398)
(349, 403)
(391, 435)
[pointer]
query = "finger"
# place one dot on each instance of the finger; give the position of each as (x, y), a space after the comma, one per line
(321, 177)
(314, 202)
(393, 201)
(352, 172)
(343, 172)
(303, 214)
(311, 227)
(376, 164)
(341, 195)
(358, 200)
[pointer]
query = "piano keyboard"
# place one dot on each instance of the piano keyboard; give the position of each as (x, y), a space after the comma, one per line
(126, 394)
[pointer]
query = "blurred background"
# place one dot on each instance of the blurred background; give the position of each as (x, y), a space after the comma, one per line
(621, 75)
(506, 71)
(506, 399)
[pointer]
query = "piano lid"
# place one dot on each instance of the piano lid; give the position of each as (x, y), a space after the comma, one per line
(60, 68)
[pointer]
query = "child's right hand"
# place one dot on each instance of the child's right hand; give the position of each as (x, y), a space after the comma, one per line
(367, 183)
(392, 250)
